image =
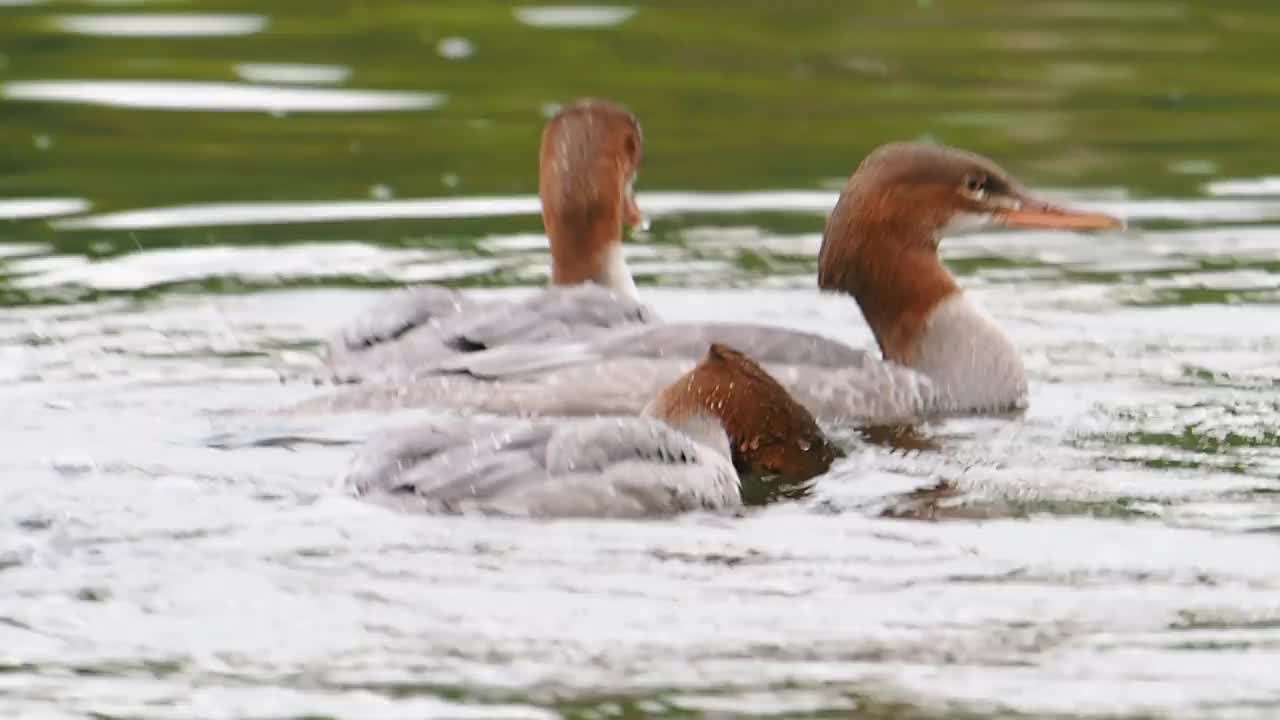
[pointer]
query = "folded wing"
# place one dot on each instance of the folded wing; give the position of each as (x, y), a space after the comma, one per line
(626, 467)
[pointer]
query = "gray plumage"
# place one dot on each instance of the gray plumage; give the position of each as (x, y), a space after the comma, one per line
(621, 467)
(966, 363)
(423, 326)
(765, 344)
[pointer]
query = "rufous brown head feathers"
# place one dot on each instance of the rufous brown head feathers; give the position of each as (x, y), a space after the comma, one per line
(881, 240)
(590, 154)
(769, 432)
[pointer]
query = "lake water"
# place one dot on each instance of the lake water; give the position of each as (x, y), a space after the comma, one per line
(194, 194)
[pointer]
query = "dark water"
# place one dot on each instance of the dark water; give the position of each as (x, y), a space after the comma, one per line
(189, 205)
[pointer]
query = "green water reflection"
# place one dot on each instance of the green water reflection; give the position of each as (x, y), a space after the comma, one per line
(1151, 97)
(751, 94)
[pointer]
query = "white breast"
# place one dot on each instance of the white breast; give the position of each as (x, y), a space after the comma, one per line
(972, 362)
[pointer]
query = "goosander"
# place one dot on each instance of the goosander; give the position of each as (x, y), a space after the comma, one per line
(588, 160)
(684, 452)
(940, 353)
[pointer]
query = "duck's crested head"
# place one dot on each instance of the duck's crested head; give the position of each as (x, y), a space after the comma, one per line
(770, 434)
(588, 161)
(921, 190)
(881, 240)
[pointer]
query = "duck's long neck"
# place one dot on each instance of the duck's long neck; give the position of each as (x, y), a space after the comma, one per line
(586, 242)
(897, 293)
(923, 320)
(613, 273)
(578, 259)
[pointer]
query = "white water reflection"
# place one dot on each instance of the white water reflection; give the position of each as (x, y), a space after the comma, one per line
(27, 208)
(654, 203)
(523, 257)
(455, 48)
(161, 25)
(215, 96)
(261, 264)
(464, 207)
(574, 16)
(17, 250)
(1269, 185)
(293, 74)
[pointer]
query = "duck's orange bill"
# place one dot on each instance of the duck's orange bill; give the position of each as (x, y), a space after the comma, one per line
(1039, 214)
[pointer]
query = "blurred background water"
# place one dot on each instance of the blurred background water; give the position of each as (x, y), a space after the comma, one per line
(195, 193)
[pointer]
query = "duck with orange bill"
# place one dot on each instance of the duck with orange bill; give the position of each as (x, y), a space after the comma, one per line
(588, 160)
(940, 352)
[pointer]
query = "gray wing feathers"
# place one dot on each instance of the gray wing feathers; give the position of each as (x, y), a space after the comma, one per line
(423, 328)
(555, 313)
(574, 391)
(632, 467)
(440, 453)
(596, 445)
(688, 341)
(628, 489)
(766, 344)
(399, 311)
(876, 392)
(512, 361)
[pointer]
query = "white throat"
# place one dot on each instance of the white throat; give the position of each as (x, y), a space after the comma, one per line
(615, 274)
(965, 222)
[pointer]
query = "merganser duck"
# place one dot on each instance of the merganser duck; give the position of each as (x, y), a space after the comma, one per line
(588, 160)
(685, 452)
(940, 353)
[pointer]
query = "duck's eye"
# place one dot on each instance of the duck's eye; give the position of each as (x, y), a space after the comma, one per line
(976, 187)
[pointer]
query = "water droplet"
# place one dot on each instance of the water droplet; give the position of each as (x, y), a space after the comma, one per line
(455, 48)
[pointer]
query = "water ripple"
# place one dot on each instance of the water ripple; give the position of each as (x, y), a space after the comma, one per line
(27, 208)
(293, 74)
(161, 25)
(657, 203)
(215, 96)
(574, 16)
